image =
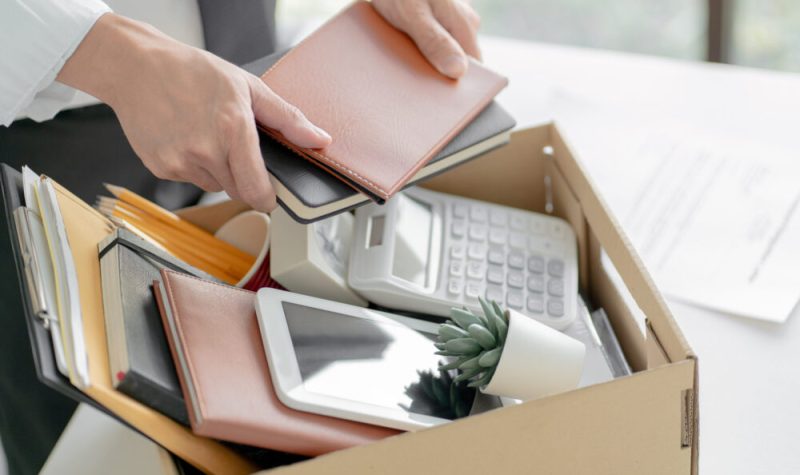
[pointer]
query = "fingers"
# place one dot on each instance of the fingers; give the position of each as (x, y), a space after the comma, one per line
(249, 171)
(462, 22)
(275, 113)
(438, 46)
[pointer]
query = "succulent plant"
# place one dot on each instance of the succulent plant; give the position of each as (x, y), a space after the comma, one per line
(474, 341)
(439, 395)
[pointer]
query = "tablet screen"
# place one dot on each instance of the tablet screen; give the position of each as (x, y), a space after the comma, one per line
(383, 363)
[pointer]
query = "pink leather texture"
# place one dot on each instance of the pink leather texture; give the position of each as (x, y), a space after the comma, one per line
(387, 109)
(220, 337)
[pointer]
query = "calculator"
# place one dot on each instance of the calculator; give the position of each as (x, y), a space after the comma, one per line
(425, 251)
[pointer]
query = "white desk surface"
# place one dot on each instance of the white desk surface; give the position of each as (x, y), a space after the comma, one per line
(749, 383)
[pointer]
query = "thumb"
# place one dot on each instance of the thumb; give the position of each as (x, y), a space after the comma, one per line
(272, 111)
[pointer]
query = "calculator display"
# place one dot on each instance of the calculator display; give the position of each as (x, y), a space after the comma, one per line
(412, 240)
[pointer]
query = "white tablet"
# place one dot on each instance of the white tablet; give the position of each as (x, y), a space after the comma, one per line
(354, 363)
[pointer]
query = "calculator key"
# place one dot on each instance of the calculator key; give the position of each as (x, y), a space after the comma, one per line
(496, 256)
(477, 251)
(555, 307)
(519, 222)
(495, 275)
(460, 210)
(478, 232)
(515, 279)
(535, 304)
(517, 241)
(473, 290)
(497, 236)
(458, 250)
(498, 218)
(458, 229)
(516, 260)
(494, 293)
(457, 268)
(475, 270)
(479, 214)
(555, 287)
(455, 286)
(538, 226)
(514, 299)
(536, 283)
(555, 267)
(558, 230)
(536, 264)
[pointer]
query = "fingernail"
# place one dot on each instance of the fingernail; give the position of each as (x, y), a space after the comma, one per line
(322, 133)
(454, 66)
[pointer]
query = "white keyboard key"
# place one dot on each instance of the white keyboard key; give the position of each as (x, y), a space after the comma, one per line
(495, 293)
(515, 279)
(458, 250)
(538, 226)
(516, 260)
(473, 290)
(555, 307)
(458, 229)
(514, 299)
(536, 283)
(498, 218)
(479, 214)
(495, 275)
(455, 286)
(475, 270)
(517, 241)
(519, 222)
(536, 264)
(555, 267)
(478, 232)
(496, 256)
(555, 287)
(497, 236)
(460, 210)
(477, 251)
(456, 268)
(535, 304)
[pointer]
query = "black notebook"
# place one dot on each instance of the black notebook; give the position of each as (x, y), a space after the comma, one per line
(309, 193)
(139, 359)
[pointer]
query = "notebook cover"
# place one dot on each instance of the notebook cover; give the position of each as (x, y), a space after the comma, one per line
(86, 227)
(217, 329)
(322, 195)
(387, 108)
(150, 377)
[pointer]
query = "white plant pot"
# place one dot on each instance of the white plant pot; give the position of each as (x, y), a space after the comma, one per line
(536, 361)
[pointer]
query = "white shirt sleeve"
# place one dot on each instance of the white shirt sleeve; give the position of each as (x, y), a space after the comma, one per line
(37, 38)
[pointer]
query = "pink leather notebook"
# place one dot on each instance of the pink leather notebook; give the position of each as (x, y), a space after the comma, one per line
(388, 110)
(218, 352)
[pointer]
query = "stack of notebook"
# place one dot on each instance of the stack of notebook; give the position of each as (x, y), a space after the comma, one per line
(393, 118)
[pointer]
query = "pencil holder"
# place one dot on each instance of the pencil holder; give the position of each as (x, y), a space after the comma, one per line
(249, 231)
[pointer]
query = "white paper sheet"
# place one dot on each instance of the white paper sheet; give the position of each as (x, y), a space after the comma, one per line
(716, 219)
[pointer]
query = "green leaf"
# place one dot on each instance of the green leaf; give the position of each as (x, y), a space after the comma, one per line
(447, 353)
(464, 318)
(482, 381)
(439, 345)
(490, 358)
(463, 346)
(483, 336)
(487, 312)
(502, 329)
(467, 374)
(449, 331)
(467, 363)
(439, 392)
(453, 364)
(499, 311)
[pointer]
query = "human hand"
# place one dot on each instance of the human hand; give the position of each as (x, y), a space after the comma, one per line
(446, 31)
(189, 115)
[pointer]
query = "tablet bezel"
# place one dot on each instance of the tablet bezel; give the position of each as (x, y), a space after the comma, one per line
(285, 370)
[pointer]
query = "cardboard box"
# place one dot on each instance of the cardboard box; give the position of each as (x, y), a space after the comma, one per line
(643, 423)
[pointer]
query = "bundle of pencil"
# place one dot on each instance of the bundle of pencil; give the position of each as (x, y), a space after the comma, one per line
(182, 239)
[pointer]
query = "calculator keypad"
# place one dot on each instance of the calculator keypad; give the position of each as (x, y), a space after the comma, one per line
(513, 258)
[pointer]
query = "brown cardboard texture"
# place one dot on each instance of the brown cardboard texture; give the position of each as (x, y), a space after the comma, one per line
(643, 423)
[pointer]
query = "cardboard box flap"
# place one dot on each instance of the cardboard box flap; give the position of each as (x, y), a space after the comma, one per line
(621, 252)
